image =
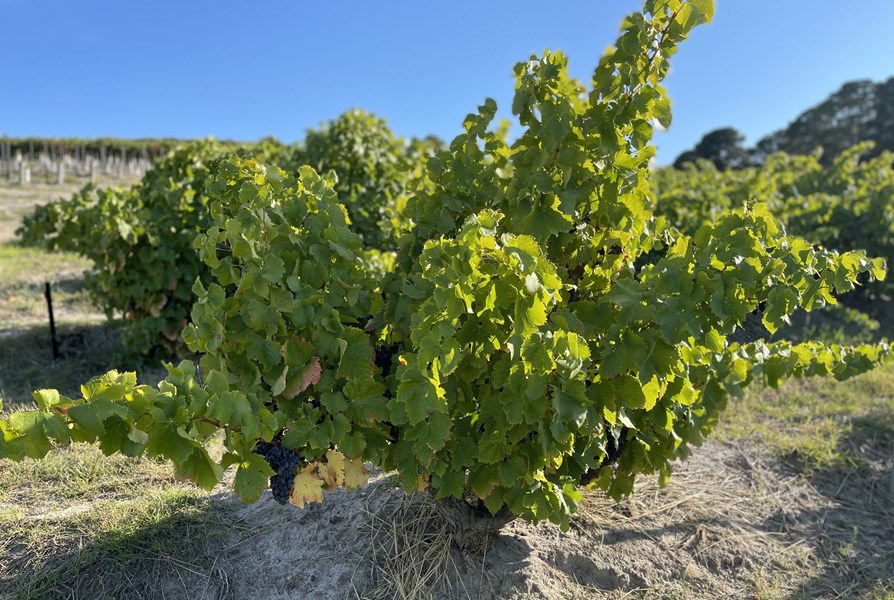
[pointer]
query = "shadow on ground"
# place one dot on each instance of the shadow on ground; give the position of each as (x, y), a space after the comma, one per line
(162, 547)
(852, 535)
(27, 363)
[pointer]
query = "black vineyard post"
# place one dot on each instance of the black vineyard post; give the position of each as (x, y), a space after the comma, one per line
(53, 338)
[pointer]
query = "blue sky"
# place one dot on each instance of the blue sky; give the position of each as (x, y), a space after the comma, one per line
(241, 70)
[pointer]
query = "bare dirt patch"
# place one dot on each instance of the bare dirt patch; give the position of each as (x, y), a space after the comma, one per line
(732, 523)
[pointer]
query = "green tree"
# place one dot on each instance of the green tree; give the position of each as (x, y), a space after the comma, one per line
(845, 118)
(723, 147)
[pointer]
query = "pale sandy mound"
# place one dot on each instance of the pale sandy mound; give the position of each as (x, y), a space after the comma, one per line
(731, 524)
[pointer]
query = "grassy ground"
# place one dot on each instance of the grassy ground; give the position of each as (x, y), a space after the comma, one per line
(835, 439)
(82, 525)
(88, 343)
(23, 274)
(820, 424)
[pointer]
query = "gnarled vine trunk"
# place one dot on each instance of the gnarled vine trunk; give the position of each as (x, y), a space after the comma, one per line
(470, 523)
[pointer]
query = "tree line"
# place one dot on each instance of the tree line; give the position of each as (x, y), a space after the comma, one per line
(860, 111)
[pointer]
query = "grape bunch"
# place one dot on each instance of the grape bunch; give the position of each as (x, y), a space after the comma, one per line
(384, 357)
(284, 462)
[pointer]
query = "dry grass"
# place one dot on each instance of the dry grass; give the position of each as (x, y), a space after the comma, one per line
(409, 550)
(741, 524)
(411, 554)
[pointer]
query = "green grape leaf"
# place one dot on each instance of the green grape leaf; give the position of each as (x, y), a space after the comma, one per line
(199, 467)
(168, 438)
(90, 415)
(31, 435)
(251, 477)
(356, 355)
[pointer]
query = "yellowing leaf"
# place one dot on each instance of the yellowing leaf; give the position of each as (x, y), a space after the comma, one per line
(610, 415)
(333, 470)
(652, 391)
(307, 488)
(356, 474)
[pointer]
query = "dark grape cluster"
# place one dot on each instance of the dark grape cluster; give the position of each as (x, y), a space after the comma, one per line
(613, 449)
(284, 462)
(384, 357)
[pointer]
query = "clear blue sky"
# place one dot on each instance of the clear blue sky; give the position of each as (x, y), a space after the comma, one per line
(241, 70)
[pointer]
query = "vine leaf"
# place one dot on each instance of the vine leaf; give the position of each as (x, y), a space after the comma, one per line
(252, 477)
(356, 474)
(333, 470)
(307, 487)
(357, 356)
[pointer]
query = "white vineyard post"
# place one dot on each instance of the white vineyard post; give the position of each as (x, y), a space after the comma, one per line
(24, 173)
(19, 163)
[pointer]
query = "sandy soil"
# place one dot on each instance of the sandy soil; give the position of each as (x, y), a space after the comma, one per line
(732, 523)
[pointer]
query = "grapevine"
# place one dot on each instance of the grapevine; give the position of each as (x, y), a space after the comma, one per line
(521, 345)
(376, 171)
(846, 206)
(140, 240)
